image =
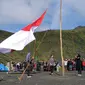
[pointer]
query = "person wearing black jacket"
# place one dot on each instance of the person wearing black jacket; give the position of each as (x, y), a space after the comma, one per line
(78, 64)
(27, 67)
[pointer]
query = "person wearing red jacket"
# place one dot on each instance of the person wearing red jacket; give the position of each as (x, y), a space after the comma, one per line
(83, 63)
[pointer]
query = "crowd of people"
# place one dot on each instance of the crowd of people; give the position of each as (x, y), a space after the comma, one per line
(51, 65)
(73, 64)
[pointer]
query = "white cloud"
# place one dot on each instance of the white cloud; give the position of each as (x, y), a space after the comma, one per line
(21, 11)
(77, 5)
(69, 7)
(25, 11)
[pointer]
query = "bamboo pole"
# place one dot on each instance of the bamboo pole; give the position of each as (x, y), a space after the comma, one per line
(34, 49)
(61, 38)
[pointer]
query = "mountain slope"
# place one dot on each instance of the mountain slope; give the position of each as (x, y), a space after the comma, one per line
(73, 42)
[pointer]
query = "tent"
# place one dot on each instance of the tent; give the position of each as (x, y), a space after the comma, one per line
(3, 68)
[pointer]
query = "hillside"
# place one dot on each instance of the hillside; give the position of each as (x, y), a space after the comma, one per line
(73, 42)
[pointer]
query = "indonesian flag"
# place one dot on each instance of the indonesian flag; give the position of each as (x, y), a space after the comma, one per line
(21, 38)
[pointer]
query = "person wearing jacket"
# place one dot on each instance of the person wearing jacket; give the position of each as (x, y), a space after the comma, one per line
(51, 63)
(78, 64)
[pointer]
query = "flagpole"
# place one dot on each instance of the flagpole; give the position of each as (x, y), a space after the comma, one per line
(34, 49)
(61, 38)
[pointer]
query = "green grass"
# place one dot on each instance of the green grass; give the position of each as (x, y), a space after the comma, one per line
(73, 42)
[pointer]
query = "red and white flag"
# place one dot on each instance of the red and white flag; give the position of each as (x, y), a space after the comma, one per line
(21, 38)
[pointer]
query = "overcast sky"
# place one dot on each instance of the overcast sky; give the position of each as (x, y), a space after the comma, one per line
(15, 14)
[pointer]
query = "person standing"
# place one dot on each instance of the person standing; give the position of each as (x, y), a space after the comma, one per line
(78, 64)
(83, 63)
(65, 64)
(51, 63)
(28, 69)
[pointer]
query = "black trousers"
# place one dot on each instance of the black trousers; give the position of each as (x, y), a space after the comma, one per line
(28, 72)
(79, 71)
(51, 69)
